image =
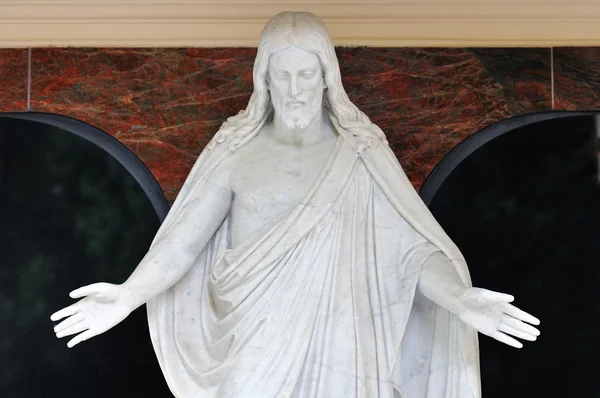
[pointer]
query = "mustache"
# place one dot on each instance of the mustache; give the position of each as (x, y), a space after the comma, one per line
(300, 98)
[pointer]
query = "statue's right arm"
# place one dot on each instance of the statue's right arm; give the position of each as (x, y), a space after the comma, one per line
(104, 305)
(175, 252)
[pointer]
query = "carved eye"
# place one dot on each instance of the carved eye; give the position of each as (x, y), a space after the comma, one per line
(280, 75)
(307, 73)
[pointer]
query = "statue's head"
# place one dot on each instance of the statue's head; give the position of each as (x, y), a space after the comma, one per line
(293, 43)
(295, 62)
(295, 83)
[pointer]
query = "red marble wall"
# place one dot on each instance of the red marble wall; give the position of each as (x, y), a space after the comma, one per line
(13, 80)
(165, 104)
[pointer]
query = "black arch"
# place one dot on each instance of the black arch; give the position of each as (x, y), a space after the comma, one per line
(446, 166)
(108, 143)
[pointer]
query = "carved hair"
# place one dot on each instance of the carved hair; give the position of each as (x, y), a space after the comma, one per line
(308, 32)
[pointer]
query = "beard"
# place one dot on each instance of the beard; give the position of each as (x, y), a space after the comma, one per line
(298, 122)
(302, 120)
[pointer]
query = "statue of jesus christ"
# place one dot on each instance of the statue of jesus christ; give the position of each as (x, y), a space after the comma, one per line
(298, 260)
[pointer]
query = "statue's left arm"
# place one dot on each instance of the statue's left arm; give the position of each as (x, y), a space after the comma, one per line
(486, 311)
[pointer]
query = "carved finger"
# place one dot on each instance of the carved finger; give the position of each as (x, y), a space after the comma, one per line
(516, 332)
(515, 323)
(520, 314)
(78, 327)
(88, 334)
(507, 340)
(70, 321)
(67, 311)
(496, 296)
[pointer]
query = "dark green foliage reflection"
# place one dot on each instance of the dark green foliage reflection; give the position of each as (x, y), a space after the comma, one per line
(525, 211)
(69, 215)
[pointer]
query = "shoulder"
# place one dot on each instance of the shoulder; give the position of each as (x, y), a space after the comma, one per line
(250, 152)
(237, 161)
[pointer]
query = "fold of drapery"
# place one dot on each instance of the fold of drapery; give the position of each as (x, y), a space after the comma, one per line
(321, 302)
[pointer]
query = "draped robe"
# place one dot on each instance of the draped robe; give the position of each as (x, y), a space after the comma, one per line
(320, 302)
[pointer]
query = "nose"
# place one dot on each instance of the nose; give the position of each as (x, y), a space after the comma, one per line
(294, 89)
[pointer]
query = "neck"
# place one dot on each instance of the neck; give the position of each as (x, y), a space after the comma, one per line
(318, 130)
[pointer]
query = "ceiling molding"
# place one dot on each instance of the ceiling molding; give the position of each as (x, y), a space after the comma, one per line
(202, 23)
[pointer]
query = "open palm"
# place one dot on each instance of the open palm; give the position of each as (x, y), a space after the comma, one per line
(491, 314)
(104, 305)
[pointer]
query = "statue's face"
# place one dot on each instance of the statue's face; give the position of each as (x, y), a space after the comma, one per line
(296, 84)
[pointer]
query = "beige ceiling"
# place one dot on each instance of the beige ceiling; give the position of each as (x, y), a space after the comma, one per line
(203, 23)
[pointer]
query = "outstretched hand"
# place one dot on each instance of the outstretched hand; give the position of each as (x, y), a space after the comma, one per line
(103, 306)
(492, 314)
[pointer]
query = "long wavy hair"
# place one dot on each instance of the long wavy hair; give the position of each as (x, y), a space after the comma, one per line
(308, 32)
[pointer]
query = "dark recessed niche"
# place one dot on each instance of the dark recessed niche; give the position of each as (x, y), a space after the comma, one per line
(76, 207)
(521, 199)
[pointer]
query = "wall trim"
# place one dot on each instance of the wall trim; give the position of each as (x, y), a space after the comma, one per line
(205, 23)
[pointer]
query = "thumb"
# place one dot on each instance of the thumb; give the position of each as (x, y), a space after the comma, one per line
(93, 289)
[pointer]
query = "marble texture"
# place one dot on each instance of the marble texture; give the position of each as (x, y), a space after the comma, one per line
(577, 78)
(13, 80)
(165, 104)
(524, 75)
(298, 259)
(429, 100)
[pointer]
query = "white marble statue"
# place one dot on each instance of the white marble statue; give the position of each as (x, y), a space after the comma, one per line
(298, 260)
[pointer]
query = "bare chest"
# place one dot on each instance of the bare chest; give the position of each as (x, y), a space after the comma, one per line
(276, 179)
